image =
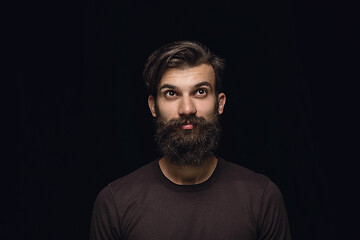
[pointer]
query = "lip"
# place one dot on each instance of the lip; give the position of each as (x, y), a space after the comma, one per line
(187, 126)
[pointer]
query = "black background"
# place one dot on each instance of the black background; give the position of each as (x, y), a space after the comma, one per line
(81, 117)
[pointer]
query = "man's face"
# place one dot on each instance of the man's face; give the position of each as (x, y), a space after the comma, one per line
(189, 91)
(186, 110)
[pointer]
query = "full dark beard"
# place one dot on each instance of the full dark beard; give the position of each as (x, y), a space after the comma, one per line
(188, 147)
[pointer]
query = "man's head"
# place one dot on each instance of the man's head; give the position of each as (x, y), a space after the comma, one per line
(185, 99)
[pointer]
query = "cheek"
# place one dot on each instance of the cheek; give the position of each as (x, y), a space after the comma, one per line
(207, 108)
(166, 111)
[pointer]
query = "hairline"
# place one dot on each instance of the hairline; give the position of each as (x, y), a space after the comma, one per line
(161, 60)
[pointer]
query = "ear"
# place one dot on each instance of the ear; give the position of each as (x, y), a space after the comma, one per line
(151, 103)
(221, 101)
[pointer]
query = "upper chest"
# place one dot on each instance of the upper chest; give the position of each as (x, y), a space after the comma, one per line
(219, 213)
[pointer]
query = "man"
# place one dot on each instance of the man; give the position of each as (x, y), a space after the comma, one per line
(188, 193)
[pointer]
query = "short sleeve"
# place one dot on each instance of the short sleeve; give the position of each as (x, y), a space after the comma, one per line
(104, 222)
(273, 221)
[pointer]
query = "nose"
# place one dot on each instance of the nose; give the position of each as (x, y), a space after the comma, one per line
(186, 106)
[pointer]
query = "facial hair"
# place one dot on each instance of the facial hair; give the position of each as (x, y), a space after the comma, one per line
(188, 147)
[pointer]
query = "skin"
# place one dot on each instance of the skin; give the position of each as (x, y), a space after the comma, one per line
(189, 91)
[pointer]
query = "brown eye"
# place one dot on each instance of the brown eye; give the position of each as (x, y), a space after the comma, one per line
(201, 92)
(170, 94)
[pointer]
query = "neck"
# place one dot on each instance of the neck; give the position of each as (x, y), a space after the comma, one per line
(188, 175)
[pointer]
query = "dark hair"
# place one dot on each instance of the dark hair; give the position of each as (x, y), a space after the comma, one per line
(180, 55)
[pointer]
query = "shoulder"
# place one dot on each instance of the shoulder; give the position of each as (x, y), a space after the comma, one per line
(236, 173)
(131, 184)
(140, 175)
(244, 179)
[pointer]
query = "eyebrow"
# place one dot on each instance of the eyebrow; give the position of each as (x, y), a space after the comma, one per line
(200, 84)
(204, 83)
(168, 86)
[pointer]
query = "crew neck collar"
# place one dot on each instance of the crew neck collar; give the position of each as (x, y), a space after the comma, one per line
(187, 188)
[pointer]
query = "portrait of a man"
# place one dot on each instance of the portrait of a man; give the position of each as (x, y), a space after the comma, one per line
(189, 192)
(191, 120)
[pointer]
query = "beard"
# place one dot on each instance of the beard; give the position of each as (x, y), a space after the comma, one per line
(188, 147)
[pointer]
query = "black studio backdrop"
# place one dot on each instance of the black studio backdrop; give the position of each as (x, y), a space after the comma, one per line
(82, 117)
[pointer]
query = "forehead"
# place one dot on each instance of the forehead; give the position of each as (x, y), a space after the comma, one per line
(188, 76)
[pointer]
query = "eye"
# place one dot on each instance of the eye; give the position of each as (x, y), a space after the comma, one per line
(170, 93)
(201, 92)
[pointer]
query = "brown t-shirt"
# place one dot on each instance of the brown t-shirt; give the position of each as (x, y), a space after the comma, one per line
(234, 203)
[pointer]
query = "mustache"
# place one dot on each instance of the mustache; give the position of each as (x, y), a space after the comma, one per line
(182, 120)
